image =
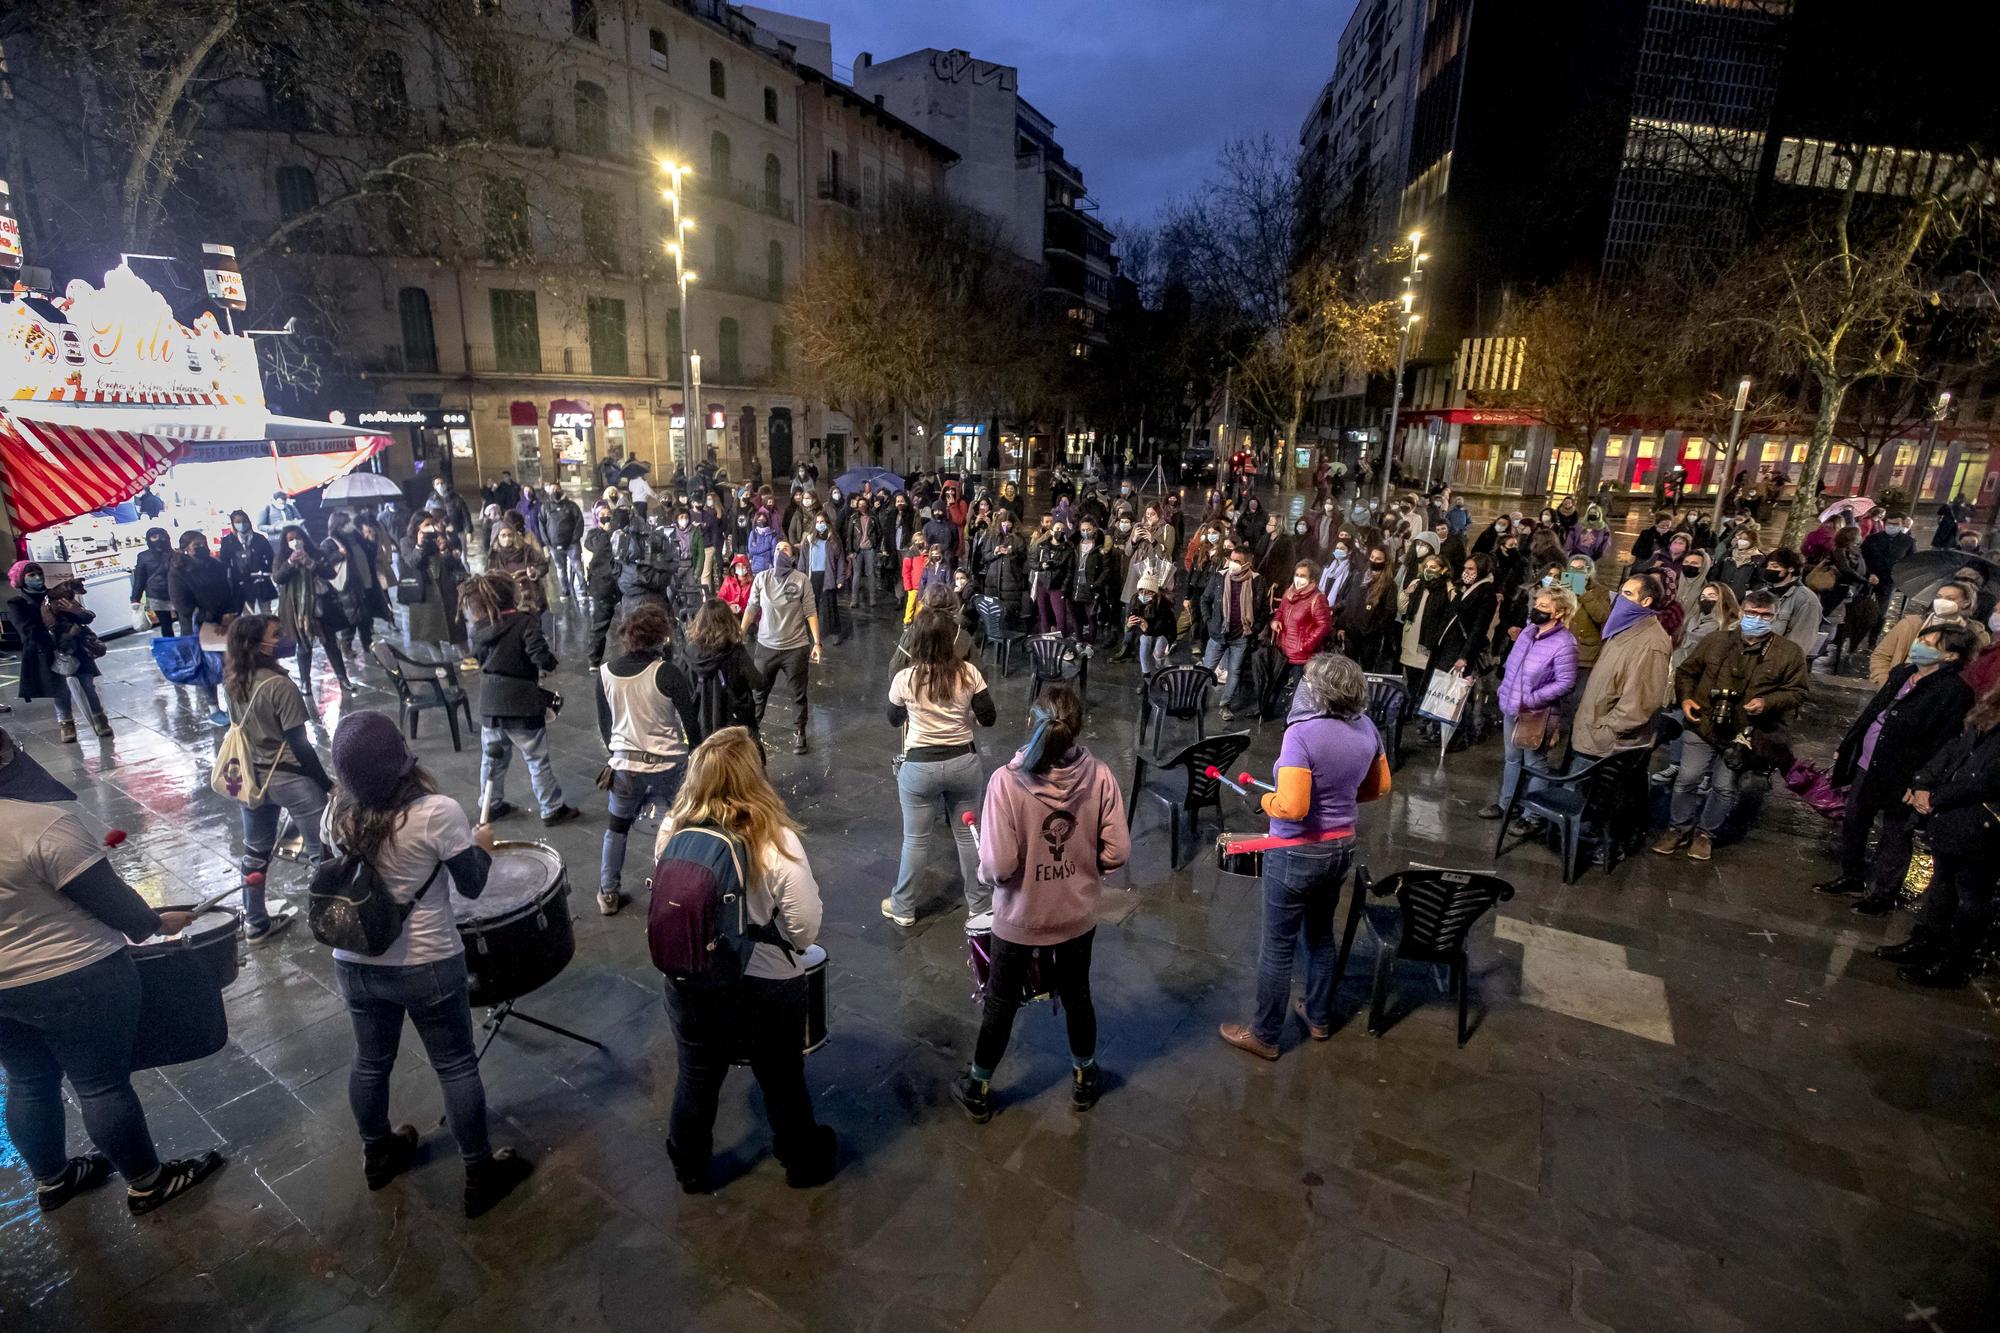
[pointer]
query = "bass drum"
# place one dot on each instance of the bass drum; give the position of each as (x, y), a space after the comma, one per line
(813, 962)
(518, 934)
(181, 979)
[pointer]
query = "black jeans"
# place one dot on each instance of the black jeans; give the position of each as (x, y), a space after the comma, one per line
(1065, 970)
(333, 656)
(792, 664)
(826, 595)
(1959, 901)
(1883, 874)
(760, 1018)
(602, 612)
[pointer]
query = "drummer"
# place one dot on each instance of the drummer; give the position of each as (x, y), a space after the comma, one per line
(1331, 760)
(69, 998)
(387, 810)
(1052, 827)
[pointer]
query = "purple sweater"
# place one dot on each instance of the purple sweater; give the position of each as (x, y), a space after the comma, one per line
(1046, 841)
(1540, 670)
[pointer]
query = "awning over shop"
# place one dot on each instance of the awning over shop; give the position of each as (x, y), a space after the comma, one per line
(55, 471)
(210, 434)
(1470, 416)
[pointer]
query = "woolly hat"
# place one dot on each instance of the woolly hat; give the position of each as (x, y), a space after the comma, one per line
(370, 757)
(16, 570)
(1148, 583)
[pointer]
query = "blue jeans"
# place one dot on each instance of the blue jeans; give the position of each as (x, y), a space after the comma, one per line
(86, 688)
(433, 995)
(1301, 889)
(498, 744)
(1700, 759)
(306, 800)
(956, 783)
(1229, 655)
(1511, 758)
(628, 796)
(82, 1024)
(1154, 649)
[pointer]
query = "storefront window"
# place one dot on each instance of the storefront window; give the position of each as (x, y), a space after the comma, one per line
(1565, 470)
(1969, 476)
(527, 455)
(614, 432)
(1645, 461)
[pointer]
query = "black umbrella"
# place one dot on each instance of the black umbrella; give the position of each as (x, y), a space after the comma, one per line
(1923, 570)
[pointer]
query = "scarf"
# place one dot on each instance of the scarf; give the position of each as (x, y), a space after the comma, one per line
(1624, 614)
(1235, 602)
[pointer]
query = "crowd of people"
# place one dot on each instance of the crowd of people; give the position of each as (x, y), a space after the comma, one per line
(701, 595)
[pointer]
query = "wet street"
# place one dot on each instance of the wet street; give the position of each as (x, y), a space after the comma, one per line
(1691, 1101)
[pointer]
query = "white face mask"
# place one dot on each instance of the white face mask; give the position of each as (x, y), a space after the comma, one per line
(1944, 606)
(1301, 582)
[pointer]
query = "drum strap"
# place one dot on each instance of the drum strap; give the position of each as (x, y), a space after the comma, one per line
(1270, 841)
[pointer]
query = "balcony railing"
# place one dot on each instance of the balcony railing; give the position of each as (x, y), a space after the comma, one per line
(839, 192)
(768, 202)
(741, 375)
(573, 360)
(754, 286)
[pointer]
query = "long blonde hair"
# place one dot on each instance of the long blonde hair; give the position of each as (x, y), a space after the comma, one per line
(726, 788)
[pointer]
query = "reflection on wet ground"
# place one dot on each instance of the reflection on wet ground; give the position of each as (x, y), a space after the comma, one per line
(1692, 1100)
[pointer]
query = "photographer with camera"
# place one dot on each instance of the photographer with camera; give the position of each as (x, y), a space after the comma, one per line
(1736, 691)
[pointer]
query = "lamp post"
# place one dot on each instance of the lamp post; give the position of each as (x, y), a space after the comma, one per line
(1729, 455)
(694, 401)
(1938, 409)
(1410, 319)
(683, 277)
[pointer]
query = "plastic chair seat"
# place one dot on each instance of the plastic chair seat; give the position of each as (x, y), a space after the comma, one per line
(1202, 792)
(1435, 911)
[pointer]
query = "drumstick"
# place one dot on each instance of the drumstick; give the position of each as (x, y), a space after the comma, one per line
(1245, 777)
(969, 821)
(1213, 772)
(208, 904)
(486, 803)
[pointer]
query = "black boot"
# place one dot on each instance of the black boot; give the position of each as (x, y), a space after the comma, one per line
(1948, 971)
(1921, 949)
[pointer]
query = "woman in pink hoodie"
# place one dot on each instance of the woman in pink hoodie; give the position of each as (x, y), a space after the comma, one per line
(1052, 827)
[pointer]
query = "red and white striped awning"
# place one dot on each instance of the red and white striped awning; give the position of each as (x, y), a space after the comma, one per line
(55, 472)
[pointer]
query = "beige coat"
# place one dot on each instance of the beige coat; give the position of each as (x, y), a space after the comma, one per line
(1894, 648)
(1624, 691)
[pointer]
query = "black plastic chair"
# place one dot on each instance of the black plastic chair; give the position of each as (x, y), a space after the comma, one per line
(1202, 791)
(1000, 636)
(1436, 909)
(1178, 692)
(1388, 701)
(1587, 801)
(1057, 659)
(412, 675)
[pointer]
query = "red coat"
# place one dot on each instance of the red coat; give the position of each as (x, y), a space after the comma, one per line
(735, 592)
(1302, 621)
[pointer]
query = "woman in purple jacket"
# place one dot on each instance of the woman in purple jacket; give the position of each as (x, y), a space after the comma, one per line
(1052, 828)
(1540, 670)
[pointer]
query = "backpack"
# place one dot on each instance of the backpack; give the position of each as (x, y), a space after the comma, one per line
(698, 926)
(235, 774)
(349, 907)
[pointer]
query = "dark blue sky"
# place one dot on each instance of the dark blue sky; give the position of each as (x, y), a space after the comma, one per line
(1143, 92)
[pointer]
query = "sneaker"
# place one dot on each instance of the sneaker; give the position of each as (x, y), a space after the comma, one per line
(500, 810)
(1240, 1036)
(1227, 716)
(175, 1179)
(1491, 812)
(218, 718)
(1313, 1030)
(609, 903)
(563, 815)
(1665, 777)
(78, 1174)
(799, 745)
(889, 910)
(490, 1181)
(1839, 887)
(1670, 842)
(975, 1095)
(383, 1162)
(468, 664)
(1700, 847)
(279, 919)
(1083, 1088)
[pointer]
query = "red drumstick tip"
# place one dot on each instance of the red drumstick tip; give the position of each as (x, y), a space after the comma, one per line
(1211, 772)
(113, 837)
(966, 818)
(1244, 777)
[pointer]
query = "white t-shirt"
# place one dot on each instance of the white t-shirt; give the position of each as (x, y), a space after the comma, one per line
(642, 490)
(434, 830)
(43, 934)
(931, 723)
(785, 890)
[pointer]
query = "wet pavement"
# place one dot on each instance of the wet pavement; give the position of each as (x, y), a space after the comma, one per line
(1692, 1101)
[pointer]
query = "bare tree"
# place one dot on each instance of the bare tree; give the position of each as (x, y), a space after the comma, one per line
(1836, 300)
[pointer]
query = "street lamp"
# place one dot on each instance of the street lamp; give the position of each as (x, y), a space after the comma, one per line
(1722, 483)
(676, 247)
(1410, 319)
(1938, 409)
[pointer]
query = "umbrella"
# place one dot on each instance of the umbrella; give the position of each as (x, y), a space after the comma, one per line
(1922, 571)
(1856, 505)
(851, 482)
(358, 488)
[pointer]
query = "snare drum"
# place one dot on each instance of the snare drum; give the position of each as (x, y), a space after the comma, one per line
(517, 932)
(979, 961)
(181, 979)
(1249, 864)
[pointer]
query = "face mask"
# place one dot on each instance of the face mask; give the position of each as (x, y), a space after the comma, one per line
(1742, 543)
(763, 523)
(1327, 508)
(243, 527)
(1774, 573)
(1923, 654)
(782, 563)
(1691, 571)
(1378, 564)
(1539, 617)
(1124, 525)
(1895, 529)
(1548, 580)
(1301, 582)
(1433, 575)
(1298, 530)
(1708, 603)
(1500, 527)
(817, 527)
(1238, 568)
(1754, 626)
(1470, 577)
(1214, 537)
(1945, 606)
(1340, 555)
(34, 583)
